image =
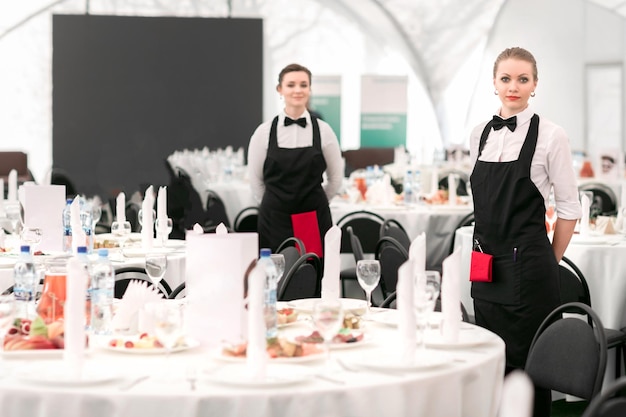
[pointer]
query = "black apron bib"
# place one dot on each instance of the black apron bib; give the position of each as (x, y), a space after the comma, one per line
(509, 215)
(293, 184)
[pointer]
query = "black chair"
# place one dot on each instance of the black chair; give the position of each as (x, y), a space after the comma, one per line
(604, 198)
(568, 354)
(292, 249)
(184, 205)
(610, 403)
(393, 228)
(132, 216)
(123, 276)
(246, 220)
(178, 292)
(574, 288)
(295, 242)
(391, 254)
(302, 280)
(366, 225)
(215, 211)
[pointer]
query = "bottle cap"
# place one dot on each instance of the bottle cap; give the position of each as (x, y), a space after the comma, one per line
(103, 252)
(265, 252)
(81, 249)
(25, 248)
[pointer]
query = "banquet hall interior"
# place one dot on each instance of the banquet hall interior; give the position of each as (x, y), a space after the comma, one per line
(111, 98)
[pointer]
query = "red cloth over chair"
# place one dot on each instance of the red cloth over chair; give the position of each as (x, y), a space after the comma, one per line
(306, 228)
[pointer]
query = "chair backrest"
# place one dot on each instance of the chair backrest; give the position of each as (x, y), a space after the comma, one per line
(366, 225)
(568, 354)
(184, 205)
(303, 280)
(292, 249)
(124, 275)
(572, 283)
(604, 198)
(393, 228)
(216, 210)
(294, 242)
(132, 215)
(611, 402)
(391, 255)
(246, 220)
(355, 244)
(178, 292)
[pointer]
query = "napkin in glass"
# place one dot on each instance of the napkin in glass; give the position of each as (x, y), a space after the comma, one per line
(331, 286)
(451, 297)
(406, 313)
(128, 317)
(221, 229)
(120, 208)
(517, 395)
(147, 221)
(417, 254)
(79, 237)
(256, 351)
(12, 190)
(74, 317)
(584, 220)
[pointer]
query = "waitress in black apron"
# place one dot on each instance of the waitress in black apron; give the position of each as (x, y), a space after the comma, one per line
(287, 157)
(518, 158)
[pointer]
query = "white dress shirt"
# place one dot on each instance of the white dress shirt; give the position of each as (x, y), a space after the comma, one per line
(551, 164)
(294, 136)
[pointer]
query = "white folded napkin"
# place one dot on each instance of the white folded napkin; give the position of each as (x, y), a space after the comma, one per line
(120, 207)
(197, 229)
(12, 191)
(74, 317)
(406, 313)
(452, 189)
(256, 353)
(584, 220)
(147, 220)
(162, 203)
(128, 317)
(451, 296)
(331, 286)
(221, 229)
(518, 395)
(79, 237)
(417, 254)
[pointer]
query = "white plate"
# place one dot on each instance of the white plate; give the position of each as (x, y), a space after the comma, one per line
(35, 354)
(189, 344)
(276, 376)
(282, 360)
(385, 361)
(589, 240)
(335, 346)
(56, 374)
(466, 339)
(352, 305)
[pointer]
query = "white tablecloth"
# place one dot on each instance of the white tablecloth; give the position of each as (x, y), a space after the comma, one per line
(468, 386)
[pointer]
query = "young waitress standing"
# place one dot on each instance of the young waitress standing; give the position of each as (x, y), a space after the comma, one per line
(286, 158)
(518, 158)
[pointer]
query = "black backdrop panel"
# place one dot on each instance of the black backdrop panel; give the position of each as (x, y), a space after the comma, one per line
(128, 91)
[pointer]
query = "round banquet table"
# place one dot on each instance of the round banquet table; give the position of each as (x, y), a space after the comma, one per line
(468, 384)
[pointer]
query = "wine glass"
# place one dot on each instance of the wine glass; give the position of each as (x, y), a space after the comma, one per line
(426, 292)
(168, 324)
(163, 229)
(122, 231)
(279, 263)
(31, 236)
(156, 264)
(140, 216)
(13, 212)
(368, 275)
(7, 315)
(328, 319)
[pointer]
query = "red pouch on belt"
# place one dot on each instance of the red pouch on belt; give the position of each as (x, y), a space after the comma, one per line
(306, 228)
(480, 267)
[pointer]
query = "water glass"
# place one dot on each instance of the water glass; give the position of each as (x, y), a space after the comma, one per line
(368, 275)
(328, 319)
(31, 236)
(163, 229)
(122, 231)
(279, 263)
(156, 265)
(426, 292)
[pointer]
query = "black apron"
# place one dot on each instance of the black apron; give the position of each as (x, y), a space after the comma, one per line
(509, 215)
(293, 184)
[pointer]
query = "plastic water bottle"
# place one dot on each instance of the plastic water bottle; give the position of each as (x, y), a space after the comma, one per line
(67, 227)
(417, 185)
(81, 255)
(25, 281)
(86, 223)
(102, 285)
(271, 280)
(408, 188)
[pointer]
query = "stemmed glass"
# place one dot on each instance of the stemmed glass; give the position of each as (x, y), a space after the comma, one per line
(328, 319)
(427, 287)
(163, 229)
(156, 264)
(368, 275)
(279, 263)
(13, 211)
(122, 231)
(140, 216)
(168, 324)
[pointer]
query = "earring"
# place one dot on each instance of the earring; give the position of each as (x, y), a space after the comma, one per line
(495, 92)
(532, 94)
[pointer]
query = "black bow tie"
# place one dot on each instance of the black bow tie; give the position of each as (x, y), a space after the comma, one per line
(498, 123)
(301, 121)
